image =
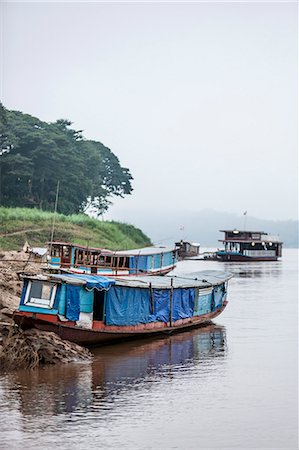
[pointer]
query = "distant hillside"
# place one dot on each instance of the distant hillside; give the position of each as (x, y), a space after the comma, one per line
(203, 226)
(21, 224)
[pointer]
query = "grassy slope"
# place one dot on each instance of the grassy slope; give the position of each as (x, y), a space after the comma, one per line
(35, 226)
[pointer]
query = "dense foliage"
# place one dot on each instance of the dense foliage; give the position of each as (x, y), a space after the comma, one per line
(36, 155)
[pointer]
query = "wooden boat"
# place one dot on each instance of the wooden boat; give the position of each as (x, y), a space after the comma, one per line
(92, 309)
(68, 257)
(186, 249)
(249, 246)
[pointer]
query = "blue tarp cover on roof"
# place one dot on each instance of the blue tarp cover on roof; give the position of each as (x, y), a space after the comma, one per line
(92, 281)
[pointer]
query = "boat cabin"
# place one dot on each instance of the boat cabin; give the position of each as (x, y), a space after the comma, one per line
(255, 245)
(99, 261)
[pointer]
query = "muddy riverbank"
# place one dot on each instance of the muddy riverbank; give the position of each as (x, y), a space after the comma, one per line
(30, 348)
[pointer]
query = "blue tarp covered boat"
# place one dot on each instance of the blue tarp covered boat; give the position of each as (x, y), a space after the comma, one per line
(94, 309)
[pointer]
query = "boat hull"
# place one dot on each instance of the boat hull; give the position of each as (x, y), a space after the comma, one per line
(107, 334)
(119, 273)
(239, 257)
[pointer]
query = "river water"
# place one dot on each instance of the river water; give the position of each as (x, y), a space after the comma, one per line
(229, 385)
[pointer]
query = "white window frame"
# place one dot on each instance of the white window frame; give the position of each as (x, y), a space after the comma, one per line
(27, 302)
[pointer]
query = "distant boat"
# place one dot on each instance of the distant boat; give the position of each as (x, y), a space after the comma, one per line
(69, 257)
(92, 310)
(186, 249)
(249, 246)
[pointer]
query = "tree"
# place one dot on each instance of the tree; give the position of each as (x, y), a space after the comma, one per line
(36, 155)
(109, 178)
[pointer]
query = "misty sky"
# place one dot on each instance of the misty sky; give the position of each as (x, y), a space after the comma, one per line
(198, 100)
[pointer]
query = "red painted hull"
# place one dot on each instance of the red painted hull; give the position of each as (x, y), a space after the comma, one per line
(102, 334)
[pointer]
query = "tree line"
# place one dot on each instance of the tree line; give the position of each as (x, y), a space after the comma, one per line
(36, 155)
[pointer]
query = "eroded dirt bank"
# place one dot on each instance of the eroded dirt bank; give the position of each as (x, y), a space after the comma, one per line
(11, 264)
(30, 348)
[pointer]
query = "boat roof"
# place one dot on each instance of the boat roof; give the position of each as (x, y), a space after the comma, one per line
(134, 252)
(263, 238)
(85, 247)
(241, 231)
(195, 244)
(144, 251)
(40, 251)
(89, 281)
(202, 279)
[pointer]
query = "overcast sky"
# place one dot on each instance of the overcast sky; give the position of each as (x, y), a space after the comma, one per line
(198, 100)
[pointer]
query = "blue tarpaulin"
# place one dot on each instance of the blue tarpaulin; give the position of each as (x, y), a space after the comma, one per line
(183, 303)
(127, 306)
(157, 261)
(168, 259)
(130, 306)
(138, 262)
(92, 281)
(72, 302)
(161, 305)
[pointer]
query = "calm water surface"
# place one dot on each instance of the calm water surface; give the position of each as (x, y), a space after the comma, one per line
(230, 385)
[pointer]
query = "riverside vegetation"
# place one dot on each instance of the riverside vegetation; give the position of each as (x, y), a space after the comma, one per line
(21, 224)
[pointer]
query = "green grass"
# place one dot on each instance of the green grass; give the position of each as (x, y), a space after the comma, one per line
(35, 226)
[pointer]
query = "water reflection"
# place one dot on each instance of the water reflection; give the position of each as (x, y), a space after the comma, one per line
(250, 269)
(260, 269)
(115, 370)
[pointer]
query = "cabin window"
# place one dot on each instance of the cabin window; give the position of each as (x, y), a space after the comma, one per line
(94, 259)
(256, 236)
(123, 262)
(105, 261)
(40, 294)
(79, 256)
(87, 256)
(66, 251)
(115, 262)
(55, 251)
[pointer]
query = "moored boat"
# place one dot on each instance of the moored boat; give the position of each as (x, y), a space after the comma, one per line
(69, 257)
(249, 246)
(93, 309)
(186, 249)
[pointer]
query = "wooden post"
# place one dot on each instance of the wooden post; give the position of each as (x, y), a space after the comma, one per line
(170, 300)
(152, 298)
